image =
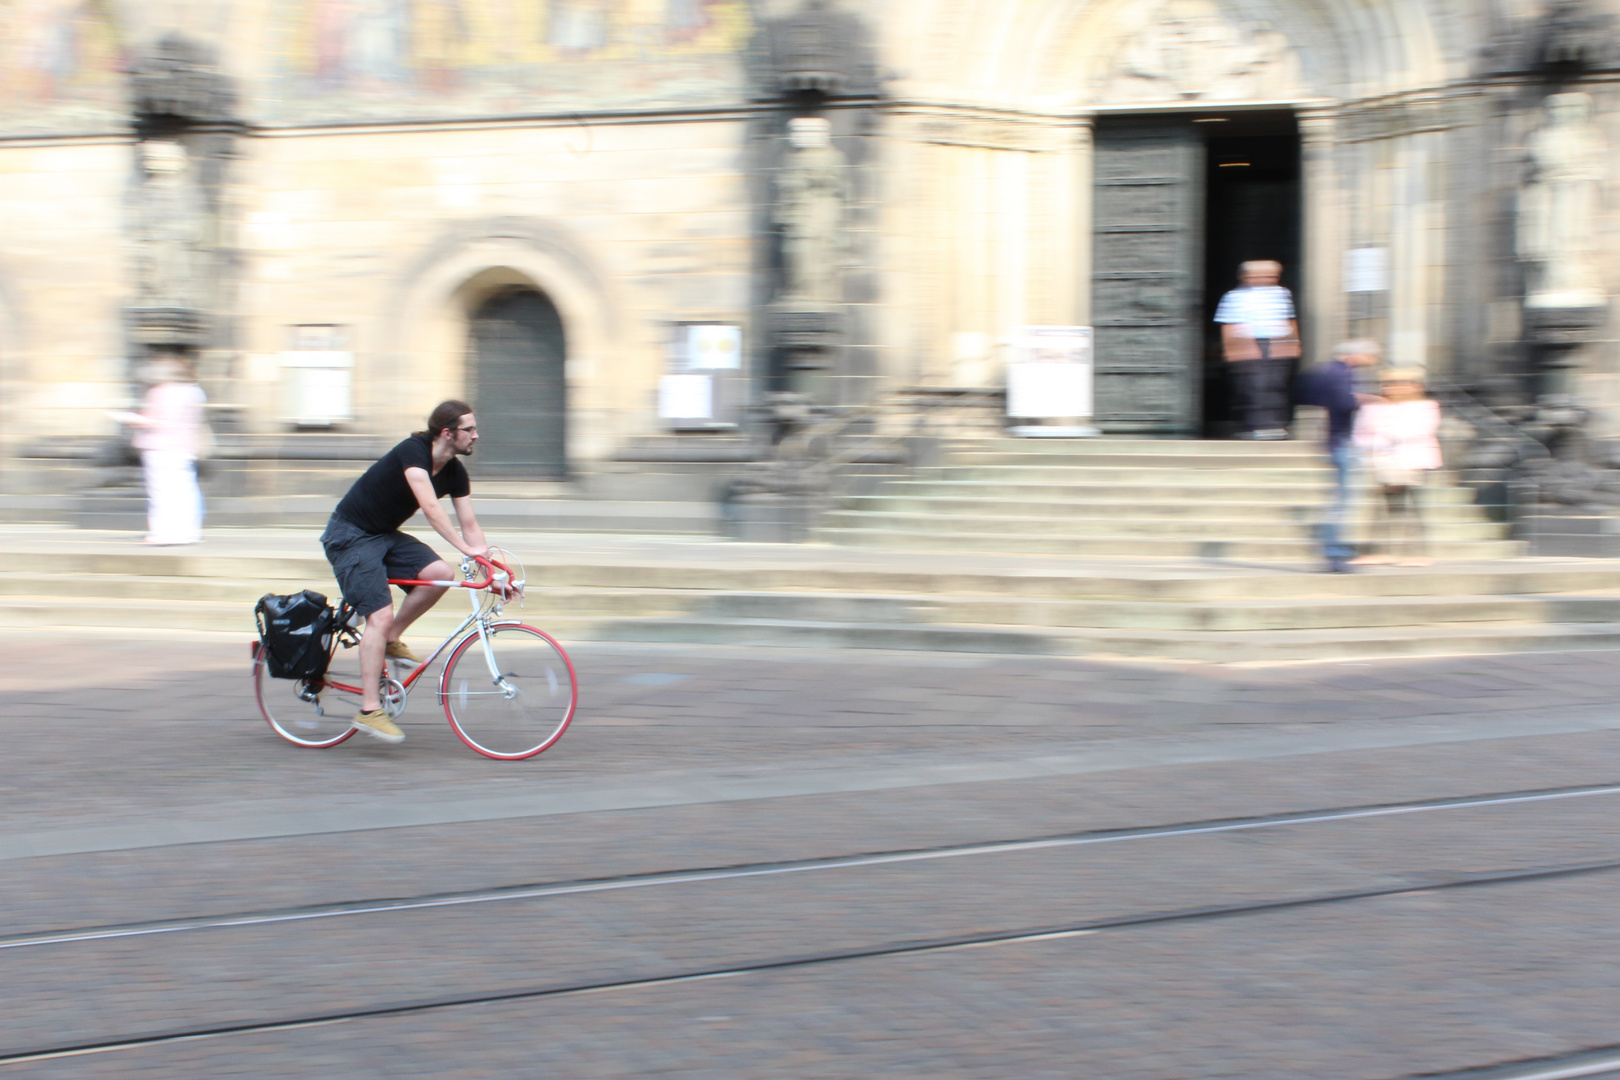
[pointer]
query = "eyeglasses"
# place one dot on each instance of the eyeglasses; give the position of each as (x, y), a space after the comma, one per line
(473, 428)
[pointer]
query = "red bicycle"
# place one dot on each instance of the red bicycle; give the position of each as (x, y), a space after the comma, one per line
(508, 689)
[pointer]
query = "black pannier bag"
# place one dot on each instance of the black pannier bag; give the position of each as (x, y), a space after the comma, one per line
(296, 634)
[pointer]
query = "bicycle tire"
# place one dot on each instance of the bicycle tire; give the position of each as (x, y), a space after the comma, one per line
(527, 715)
(296, 719)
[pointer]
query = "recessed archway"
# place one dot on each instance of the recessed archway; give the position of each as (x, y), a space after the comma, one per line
(428, 355)
(517, 354)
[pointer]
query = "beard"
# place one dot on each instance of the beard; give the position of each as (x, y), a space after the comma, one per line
(465, 453)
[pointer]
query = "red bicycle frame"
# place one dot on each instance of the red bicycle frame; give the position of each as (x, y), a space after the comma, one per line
(490, 568)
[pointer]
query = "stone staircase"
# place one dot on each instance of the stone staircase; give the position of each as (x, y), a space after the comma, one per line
(1117, 548)
(1135, 498)
(601, 588)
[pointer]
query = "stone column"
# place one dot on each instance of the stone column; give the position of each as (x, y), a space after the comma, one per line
(817, 64)
(183, 112)
(1080, 172)
(1323, 227)
(1559, 212)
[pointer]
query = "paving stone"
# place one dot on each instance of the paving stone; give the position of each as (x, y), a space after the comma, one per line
(163, 730)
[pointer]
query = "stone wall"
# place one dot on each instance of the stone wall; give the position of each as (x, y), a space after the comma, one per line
(608, 155)
(627, 228)
(62, 282)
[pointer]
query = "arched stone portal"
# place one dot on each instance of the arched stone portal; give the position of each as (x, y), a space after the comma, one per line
(517, 360)
(431, 351)
(1101, 144)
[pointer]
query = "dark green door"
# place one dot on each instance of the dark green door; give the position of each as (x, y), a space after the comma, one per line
(1147, 271)
(518, 390)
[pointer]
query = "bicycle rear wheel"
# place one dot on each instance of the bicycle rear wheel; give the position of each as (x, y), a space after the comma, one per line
(523, 711)
(313, 713)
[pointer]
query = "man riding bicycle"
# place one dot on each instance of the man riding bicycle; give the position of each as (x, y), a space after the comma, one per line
(364, 544)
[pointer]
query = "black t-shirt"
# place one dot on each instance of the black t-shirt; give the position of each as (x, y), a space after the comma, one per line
(381, 501)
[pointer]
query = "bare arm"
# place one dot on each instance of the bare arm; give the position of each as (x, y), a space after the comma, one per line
(1237, 345)
(475, 534)
(468, 521)
(1287, 348)
(422, 487)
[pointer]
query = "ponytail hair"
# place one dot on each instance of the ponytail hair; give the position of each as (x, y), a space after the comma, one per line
(447, 414)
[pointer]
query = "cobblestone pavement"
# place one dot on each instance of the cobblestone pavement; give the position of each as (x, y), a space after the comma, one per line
(139, 786)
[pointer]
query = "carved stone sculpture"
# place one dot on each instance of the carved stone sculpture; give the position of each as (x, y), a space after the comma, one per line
(1559, 208)
(812, 193)
(819, 48)
(1193, 50)
(168, 229)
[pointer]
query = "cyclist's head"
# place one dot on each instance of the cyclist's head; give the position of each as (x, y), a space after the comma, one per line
(445, 415)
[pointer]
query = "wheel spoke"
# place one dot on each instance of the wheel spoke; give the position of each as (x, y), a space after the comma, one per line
(306, 714)
(509, 697)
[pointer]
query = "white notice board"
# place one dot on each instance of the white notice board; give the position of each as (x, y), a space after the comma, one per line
(1050, 372)
(685, 397)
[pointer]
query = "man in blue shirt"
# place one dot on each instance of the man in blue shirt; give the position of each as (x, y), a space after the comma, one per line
(1333, 387)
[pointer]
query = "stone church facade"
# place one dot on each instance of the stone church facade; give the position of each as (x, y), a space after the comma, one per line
(346, 210)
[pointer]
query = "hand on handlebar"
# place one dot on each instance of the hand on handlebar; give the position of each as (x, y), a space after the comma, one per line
(500, 579)
(506, 589)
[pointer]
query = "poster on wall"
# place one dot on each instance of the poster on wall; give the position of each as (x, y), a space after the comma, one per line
(317, 376)
(713, 346)
(702, 387)
(1049, 377)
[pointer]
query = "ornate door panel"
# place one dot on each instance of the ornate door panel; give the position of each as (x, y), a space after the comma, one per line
(518, 390)
(1147, 269)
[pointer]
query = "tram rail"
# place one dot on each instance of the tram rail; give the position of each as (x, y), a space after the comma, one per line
(1429, 883)
(784, 963)
(538, 890)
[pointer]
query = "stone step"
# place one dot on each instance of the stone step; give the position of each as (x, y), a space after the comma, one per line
(126, 599)
(1242, 646)
(1117, 459)
(1057, 614)
(952, 506)
(1143, 477)
(505, 513)
(164, 572)
(140, 588)
(1272, 647)
(1145, 546)
(1216, 646)
(1112, 444)
(1236, 530)
(1166, 492)
(37, 612)
(1224, 646)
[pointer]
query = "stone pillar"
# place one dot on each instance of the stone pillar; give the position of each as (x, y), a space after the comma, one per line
(817, 65)
(183, 114)
(1323, 240)
(1079, 160)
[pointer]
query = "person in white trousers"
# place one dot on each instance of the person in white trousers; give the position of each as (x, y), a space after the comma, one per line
(169, 436)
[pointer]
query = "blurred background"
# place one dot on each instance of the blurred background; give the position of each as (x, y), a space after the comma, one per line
(721, 267)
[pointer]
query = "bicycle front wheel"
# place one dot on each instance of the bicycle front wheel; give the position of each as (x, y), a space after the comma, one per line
(520, 707)
(312, 713)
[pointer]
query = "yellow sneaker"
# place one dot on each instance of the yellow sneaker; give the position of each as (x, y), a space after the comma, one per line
(377, 725)
(398, 650)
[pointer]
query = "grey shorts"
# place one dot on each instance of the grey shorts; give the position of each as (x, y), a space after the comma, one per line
(363, 562)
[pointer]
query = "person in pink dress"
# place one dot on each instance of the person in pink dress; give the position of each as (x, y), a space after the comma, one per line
(1400, 437)
(169, 435)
